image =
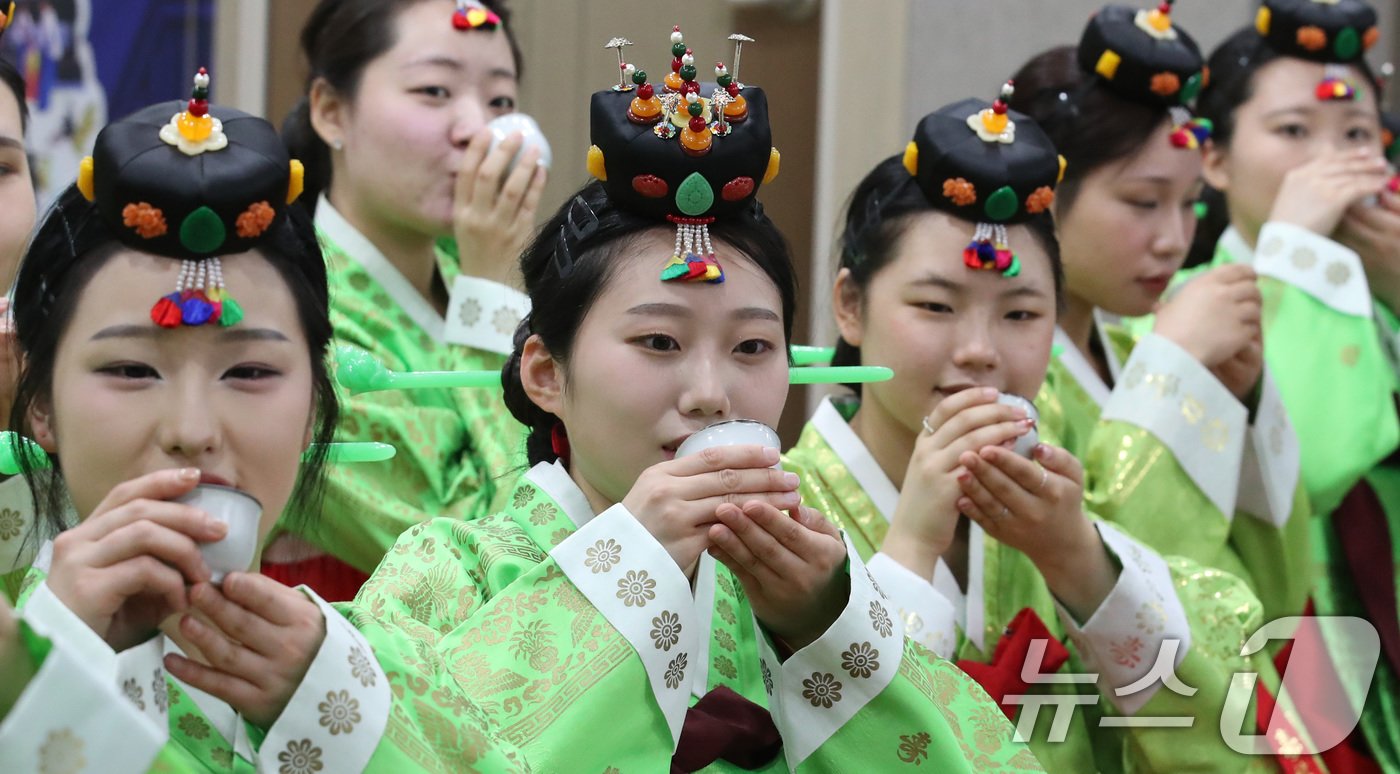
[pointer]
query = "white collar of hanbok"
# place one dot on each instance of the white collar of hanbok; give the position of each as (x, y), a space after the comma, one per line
(348, 239)
(1232, 242)
(1079, 366)
(856, 457)
(556, 482)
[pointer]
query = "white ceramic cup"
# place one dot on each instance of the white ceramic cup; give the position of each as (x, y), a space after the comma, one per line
(502, 126)
(732, 432)
(1025, 445)
(241, 512)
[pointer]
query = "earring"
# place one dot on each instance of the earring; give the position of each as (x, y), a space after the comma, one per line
(338, 143)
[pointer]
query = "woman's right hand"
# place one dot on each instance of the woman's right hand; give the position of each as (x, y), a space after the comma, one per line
(1317, 194)
(676, 500)
(927, 514)
(1215, 315)
(126, 567)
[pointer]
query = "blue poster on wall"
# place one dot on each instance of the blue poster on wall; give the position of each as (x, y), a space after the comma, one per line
(85, 61)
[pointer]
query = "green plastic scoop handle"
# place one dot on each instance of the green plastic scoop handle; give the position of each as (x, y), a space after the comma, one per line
(839, 375)
(337, 454)
(358, 371)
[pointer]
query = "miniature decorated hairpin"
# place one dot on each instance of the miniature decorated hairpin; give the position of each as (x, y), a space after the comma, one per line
(7, 17)
(988, 165)
(474, 15)
(155, 192)
(707, 160)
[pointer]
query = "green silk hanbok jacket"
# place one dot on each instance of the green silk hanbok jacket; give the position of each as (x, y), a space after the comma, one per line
(90, 709)
(586, 646)
(458, 450)
(1175, 460)
(1332, 349)
(1157, 601)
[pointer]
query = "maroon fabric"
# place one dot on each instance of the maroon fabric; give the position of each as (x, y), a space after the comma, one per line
(1365, 538)
(1002, 677)
(333, 579)
(725, 725)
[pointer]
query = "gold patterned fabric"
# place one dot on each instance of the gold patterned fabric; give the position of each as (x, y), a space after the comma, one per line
(458, 450)
(485, 605)
(1220, 610)
(1135, 481)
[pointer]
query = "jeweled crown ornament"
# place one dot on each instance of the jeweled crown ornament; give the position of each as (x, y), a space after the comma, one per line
(202, 182)
(989, 165)
(679, 155)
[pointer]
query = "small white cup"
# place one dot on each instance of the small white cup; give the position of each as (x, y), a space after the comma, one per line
(732, 432)
(502, 126)
(241, 512)
(1025, 445)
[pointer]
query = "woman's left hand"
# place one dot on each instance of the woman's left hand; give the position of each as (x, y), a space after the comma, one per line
(1037, 510)
(792, 567)
(1373, 231)
(258, 637)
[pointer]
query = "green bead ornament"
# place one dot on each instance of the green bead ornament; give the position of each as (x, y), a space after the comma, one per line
(1002, 204)
(724, 80)
(678, 50)
(695, 108)
(202, 231)
(639, 77)
(1191, 88)
(694, 196)
(1347, 45)
(688, 72)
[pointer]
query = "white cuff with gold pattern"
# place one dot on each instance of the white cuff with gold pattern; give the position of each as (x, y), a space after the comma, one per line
(1140, 621)
(1322, 268)
(484, 314)
(1269, 472)
(338, 713)
(71, 719)
(1171, 395)
(823, 685)
(637, 586)
(930, 618)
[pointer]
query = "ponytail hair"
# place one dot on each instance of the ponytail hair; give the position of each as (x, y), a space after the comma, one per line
(340, 38)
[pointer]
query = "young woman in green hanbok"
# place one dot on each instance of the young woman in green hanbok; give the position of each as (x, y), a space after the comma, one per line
(991, 557)
(422, 220)
(632, 610)
(1184, 441)
(1305, 198)
(141, 643)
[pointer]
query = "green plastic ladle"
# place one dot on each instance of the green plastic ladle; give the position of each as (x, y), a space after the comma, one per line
(340, 453)
(359, 372)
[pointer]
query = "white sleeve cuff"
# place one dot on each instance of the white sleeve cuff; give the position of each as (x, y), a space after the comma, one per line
(1140, 619)
(1171, 395)
(341, 706)
(484, 314)
(1269, 472)
(50, 617)
(637, 586)
(1320, 267)
(930, 618)
(822, 686)
(72, 719)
